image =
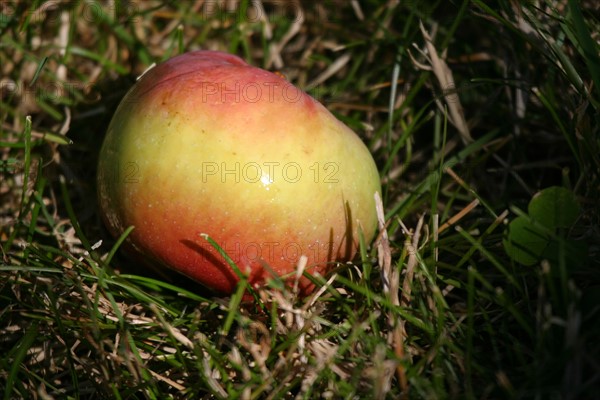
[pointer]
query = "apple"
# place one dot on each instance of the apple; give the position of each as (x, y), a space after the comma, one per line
(205, 144)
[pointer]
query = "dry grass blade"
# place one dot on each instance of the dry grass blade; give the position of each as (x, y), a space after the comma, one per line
(445, 79)
(391, 285)
(176, 333)
(458, 216)
(337, 65)
(212, 378)
(411, 246)
(170, 382)
(383, 248)
(275, 59)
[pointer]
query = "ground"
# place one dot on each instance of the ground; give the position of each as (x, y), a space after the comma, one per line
(483, 281)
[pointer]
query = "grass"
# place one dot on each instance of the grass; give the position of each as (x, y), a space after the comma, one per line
(470, 108)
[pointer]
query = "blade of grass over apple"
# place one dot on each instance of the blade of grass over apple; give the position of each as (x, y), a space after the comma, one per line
(118, 244)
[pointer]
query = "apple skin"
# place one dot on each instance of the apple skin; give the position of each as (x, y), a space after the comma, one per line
(206, 144)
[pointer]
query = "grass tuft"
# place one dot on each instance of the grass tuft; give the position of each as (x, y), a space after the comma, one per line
(470, 110)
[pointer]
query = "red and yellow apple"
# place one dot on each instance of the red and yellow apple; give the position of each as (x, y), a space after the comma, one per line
(205, 144)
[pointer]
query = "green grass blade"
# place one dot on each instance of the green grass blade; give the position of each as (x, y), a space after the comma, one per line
(19, 354)
(588, 47)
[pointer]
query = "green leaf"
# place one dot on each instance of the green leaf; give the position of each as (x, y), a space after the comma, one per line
(525, 242)
(554, 207)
